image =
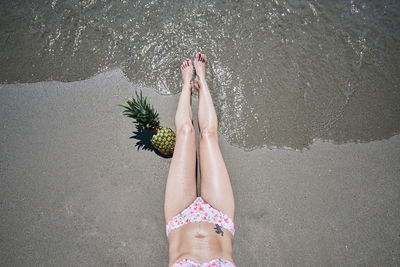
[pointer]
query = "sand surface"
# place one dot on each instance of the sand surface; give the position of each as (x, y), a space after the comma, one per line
(76, 191)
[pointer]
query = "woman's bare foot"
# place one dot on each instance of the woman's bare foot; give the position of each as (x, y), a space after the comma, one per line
(200, 66)
(187, 72)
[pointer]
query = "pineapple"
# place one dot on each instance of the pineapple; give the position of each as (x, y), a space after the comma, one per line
(163, 138)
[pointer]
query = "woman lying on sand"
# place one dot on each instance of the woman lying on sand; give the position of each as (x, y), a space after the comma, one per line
(199, 229)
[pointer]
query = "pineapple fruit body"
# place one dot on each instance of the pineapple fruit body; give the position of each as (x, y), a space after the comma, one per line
(164, 140)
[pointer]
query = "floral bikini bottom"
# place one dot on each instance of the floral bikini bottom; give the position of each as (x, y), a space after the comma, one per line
(212, 263)
(201, 211)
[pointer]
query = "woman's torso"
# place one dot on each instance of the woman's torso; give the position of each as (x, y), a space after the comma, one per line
(199, 242)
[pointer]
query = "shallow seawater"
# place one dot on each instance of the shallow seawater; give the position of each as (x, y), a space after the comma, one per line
(282, 73)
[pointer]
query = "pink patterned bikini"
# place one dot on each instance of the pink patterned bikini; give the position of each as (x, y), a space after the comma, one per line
(212, 263)
(201, 211)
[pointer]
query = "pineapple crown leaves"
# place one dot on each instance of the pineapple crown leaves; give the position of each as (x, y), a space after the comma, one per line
(139, 109)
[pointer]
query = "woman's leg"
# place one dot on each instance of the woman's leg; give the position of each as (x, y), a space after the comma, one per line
(215, 185)
(180, 190)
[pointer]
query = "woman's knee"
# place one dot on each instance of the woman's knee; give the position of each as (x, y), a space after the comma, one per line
(185, 128)
(209, 133)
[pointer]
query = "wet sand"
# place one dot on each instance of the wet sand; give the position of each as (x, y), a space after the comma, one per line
(76, 191)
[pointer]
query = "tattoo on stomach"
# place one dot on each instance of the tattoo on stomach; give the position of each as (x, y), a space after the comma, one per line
(218, 229)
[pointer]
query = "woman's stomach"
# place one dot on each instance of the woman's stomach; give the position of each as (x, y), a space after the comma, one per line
(200, 242)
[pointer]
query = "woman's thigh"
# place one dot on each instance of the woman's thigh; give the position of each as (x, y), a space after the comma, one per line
(215, 185)
(180, 190)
